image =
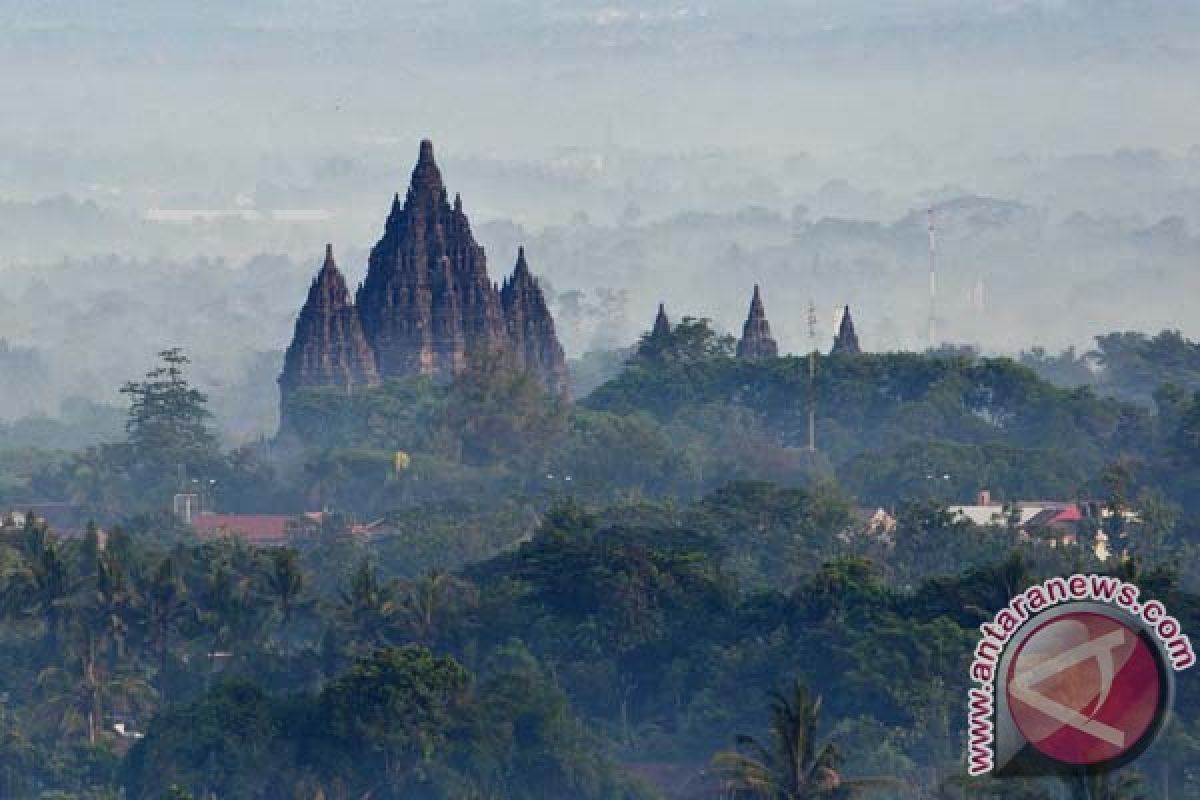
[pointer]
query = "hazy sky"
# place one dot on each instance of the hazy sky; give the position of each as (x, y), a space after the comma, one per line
(957, 80)
(600, 133)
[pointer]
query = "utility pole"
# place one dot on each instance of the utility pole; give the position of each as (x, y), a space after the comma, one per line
(812, 377)
(932, 332)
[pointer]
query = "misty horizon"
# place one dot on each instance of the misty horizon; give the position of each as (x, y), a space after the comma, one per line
(161, 159)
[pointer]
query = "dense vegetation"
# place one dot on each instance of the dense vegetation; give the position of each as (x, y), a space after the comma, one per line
(607, 639)
(1127, 365)
(572, 601)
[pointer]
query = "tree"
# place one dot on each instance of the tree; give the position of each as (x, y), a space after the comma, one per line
(430, 602)
(793, 764)
(38, 586)
(168, 423)
(1157, 519)
(166, 608)
(232, 611)
(498, 412)
(224, 744)
(286, 582)
(367, 604)
(398, 703)
(690, 341)
(774, 536)
(88, 684)
(82, 691)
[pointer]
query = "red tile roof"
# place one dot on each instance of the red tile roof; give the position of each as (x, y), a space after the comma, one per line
(260, 529)
(1070, 514)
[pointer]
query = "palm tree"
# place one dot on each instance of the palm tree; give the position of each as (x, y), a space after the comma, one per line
(165, 609)
(367, 604)
(793, 764)
(39, 585)
(232, 611)
(113, 606)
(81, 691)
(430, 600)
(285, 581)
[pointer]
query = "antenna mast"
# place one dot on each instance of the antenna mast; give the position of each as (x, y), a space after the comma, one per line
(932, 332)
(812, 377)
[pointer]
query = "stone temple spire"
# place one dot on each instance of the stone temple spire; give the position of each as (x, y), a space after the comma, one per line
(756, 340)
(426, 176)
(426, 307)
(328, 348)
(662, 325)
(521, 270)
(427, 301)
(846, 341)
(532, 339)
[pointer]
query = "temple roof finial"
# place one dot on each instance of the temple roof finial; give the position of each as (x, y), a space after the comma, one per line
(426, 153)
(846, 340)
(662, 325)
(756, 341)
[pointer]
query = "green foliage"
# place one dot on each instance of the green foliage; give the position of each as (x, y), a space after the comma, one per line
(399, 704)
(550, 589)
(401, 723)
(496, 413)
(793, 764)
(874, 402)
(773, 535)
(692, 340)
(1134, 364)
(1127, 365)
(168, 424)
(399, 415)
(640, 632)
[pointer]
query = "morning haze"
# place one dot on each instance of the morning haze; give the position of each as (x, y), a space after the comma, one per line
(598, 134)
(603, 400)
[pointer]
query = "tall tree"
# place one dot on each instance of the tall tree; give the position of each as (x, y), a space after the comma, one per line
(166, 608)
(168, 423)
(398, 703)
(692, 340)
(793, 764)
(285, 582)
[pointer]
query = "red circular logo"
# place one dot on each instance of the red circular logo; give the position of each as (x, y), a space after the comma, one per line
(1084, 688)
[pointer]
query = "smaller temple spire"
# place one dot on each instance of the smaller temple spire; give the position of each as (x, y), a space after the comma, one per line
(426, 154)
(521, 268)
(846, 341)
(328, 348)
(662, 325)
(756, 333)
(426, 177)
(531, 328)
(756, 304)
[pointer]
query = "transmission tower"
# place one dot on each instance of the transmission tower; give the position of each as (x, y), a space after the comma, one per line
(932, 332)
(812, 377)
